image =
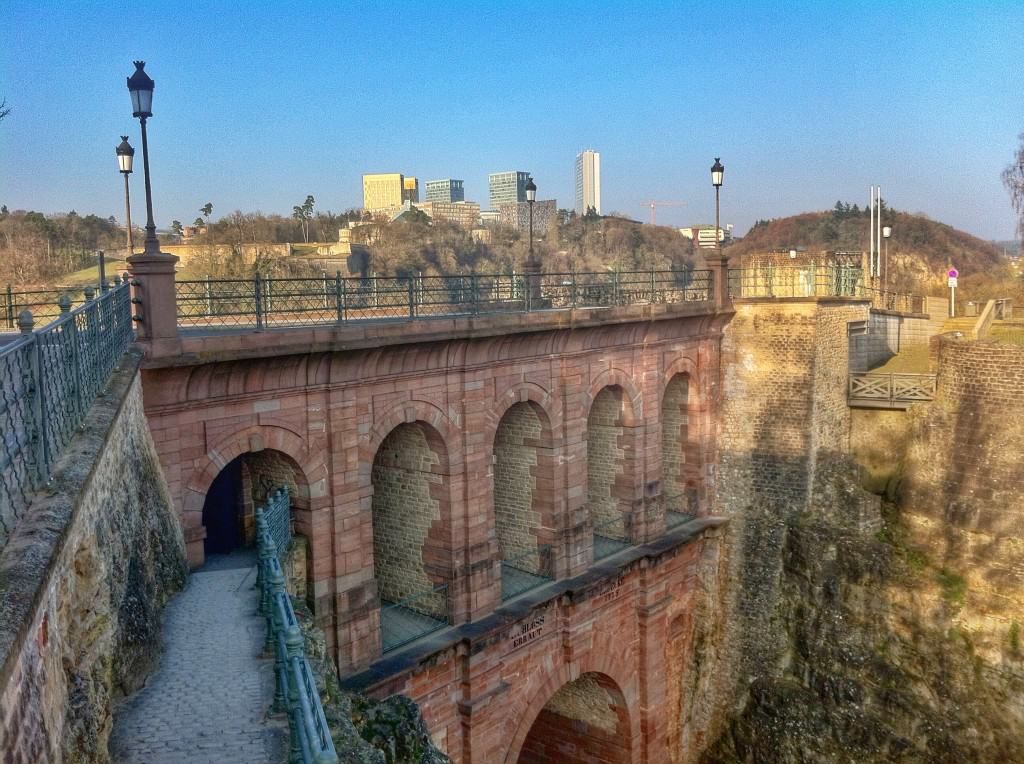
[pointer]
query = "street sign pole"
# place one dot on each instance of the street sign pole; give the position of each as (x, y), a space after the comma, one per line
(952, 273)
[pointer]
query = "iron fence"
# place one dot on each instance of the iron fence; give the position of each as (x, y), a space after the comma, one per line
(49, 378)
(279, 518)
(265, 302)
(898, 302)
(413, 617)
(680, 508)
(797, 281)
(610, 537)
(295, 693)
(45, 304)
(525, 571)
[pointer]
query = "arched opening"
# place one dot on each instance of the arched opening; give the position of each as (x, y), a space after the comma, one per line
(609, 459)
(223, 511)
(229, 509)
(523, 488)
(585, 722)
(681, 457)
(411, 551)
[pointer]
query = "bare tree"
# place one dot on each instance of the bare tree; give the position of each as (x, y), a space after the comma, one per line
(1013, 177)
(4, 109)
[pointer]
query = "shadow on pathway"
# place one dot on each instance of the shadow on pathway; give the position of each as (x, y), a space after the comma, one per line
(208, 700)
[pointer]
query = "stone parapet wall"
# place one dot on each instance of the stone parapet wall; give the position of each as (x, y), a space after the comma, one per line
(82, 583)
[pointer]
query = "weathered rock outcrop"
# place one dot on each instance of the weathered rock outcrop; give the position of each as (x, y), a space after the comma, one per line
(82, 584)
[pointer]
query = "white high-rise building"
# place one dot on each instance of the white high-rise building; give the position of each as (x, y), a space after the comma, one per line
(588, 181)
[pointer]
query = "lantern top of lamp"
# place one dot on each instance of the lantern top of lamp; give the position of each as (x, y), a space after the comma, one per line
(140, 85)
(124, 152)
(717, 171)
(531, 189)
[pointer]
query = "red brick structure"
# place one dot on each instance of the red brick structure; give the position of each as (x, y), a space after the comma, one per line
(423, 457)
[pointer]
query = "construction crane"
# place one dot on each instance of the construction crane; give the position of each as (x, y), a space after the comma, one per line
(653, 205)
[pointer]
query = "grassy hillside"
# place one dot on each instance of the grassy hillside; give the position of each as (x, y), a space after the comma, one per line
(920, 250)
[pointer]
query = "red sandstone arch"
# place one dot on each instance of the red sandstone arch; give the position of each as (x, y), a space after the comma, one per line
(407, 474)
(528, 716)
(613, 500)
(694, 447)
(615, 377)
(311, 479)
(407, 412)
(542, 497)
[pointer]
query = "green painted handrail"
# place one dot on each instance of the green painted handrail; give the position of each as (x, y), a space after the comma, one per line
(296, 694)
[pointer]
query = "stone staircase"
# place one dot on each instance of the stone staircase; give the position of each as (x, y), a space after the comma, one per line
(962, 324)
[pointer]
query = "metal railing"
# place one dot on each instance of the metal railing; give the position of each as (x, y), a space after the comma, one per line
(295, 692)
(896, 390)
(413, 617)
(797, 281)
(45, 304)
(278, 516)
(897, 302)
(610, 537)
(49, 378)
(524, 571)
(265, 302)
(680, 508)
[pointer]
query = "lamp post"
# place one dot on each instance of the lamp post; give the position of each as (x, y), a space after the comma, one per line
(125, 155)
(531, 197)
(717, 173)
(153, 287)
(140, 85)
(532, 266)
(886, 233)
(721, 280)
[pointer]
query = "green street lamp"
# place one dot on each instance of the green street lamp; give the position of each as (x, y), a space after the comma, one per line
(717, 174)
(140, 85)
(531, 197)
(125, 155)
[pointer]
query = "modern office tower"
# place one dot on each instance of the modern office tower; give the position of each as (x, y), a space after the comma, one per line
(446, 190)
(383, 191)
(411, 190)
(507, 187)
(588, 182)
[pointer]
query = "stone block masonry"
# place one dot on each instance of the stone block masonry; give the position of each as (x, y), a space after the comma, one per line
(82, 583)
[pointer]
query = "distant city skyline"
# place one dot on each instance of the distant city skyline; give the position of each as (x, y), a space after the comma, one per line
(805, 104)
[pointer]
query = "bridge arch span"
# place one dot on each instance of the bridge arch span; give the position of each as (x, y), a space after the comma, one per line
(411, 517)
(615, 377)
(408, 412)
(577, 717)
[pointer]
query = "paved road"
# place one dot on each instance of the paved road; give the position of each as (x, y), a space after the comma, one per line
(208, 699)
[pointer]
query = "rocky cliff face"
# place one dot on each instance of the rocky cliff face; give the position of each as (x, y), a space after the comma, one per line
(848, 640)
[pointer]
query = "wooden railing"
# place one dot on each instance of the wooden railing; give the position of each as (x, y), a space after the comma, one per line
(894, 391)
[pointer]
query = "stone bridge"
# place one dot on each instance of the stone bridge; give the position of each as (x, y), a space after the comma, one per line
(504, 514)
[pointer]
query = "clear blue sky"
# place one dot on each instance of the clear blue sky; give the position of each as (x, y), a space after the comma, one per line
(254, 108)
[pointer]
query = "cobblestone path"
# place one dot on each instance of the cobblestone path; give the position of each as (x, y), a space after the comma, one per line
(208, 699)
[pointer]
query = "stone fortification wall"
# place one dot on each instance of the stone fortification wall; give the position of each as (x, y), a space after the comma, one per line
(82, 583)
(963, 492)
(782, 443)
(896, 644)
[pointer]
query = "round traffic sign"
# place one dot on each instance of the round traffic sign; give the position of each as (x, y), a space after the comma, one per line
(953, 273)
